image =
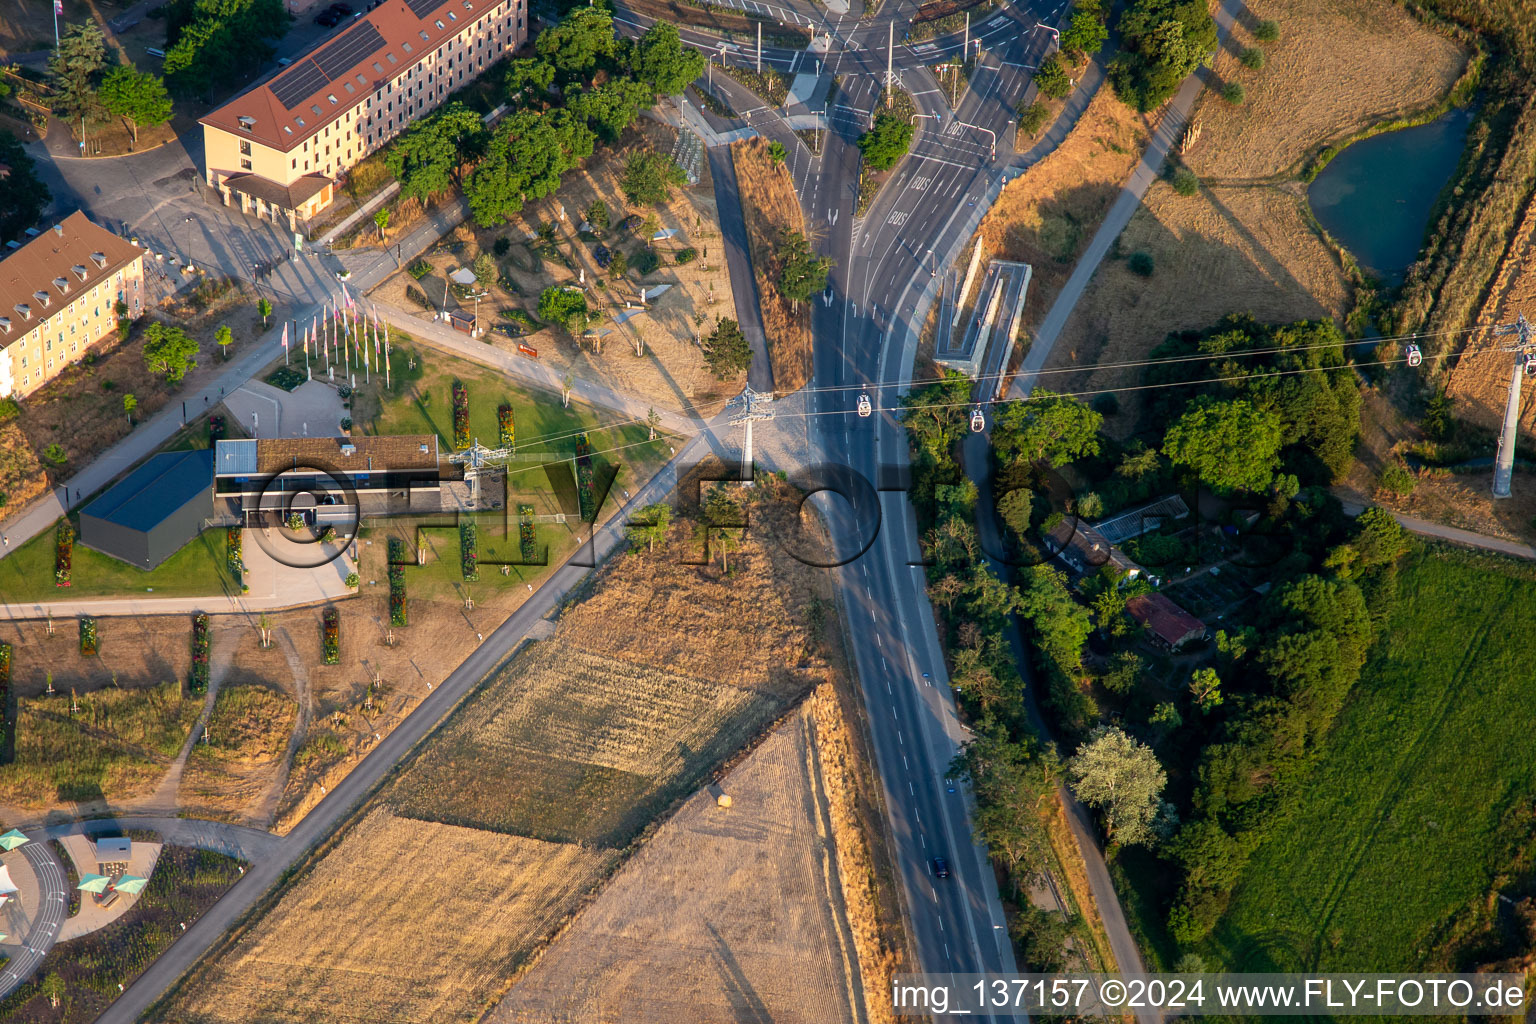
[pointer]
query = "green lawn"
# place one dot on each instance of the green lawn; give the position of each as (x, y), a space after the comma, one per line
(442, 575)
(1423, 794)
(197, 570)
(420, 401)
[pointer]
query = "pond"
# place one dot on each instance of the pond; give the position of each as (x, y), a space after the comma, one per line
(1376, 196)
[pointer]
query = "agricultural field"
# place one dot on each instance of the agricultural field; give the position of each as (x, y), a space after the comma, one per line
(574, 747)
(1246, 242)
(657, 946)
(403, 920)
(117, 746)
(524, 802)
(771, 208)
(671, 372)
(246, 743)
(1388, 855)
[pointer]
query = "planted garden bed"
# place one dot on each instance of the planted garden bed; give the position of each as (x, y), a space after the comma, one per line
(234, 561)
(330, 636)
(63, 553)
(584, 479)
(469, 555)
(527, 538)
(397, 563)
(460, 416)
(197, 682)
(506, 427)
(88, 640)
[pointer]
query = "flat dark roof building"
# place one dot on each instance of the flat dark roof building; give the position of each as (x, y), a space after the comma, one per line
(154, 511)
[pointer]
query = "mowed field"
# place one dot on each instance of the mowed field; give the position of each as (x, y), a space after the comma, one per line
(1393, 849)
(1246, 242)
(724, 913)
(517, 809)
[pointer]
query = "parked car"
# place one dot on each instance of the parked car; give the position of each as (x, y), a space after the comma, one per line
(940, 867)
(342, 9)
(328, 19)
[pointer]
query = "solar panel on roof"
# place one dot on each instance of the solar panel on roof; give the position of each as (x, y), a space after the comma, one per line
(421, 8)
(353, 45)
(297, 83)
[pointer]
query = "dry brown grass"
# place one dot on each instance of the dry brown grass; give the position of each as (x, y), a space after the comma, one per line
(1337, 68)
(672, 372)
(21, 474)
(765, 929)
(771, 208)
(227, 776)
(404, 920)
(1046, 216)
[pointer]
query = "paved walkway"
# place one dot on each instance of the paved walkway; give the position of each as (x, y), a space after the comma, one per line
(248, 844)
(94, 916)
(1170, 127)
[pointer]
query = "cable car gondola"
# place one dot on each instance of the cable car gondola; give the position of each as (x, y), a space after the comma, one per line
(1415, 357)
(1530, 362)
(865, 408)
(978, 421)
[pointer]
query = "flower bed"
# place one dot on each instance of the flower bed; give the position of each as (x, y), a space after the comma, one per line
(217, 429)
(506, 429)
(233, 560)
(584, 479)
(88, 644)
(460, 416)
(397, 563)
(330, 636)
(201, 641)
(526, 537)
(7, 716)
(469, 556)
(295, 521)
(63, 553)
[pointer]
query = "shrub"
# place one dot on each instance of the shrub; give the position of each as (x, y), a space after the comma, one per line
(1141, 263)
(1033, 118)
(217, 430)
(469, 555)
(1252, 58)
(397, 563)
(500, 246)
(346, 423)
(63, 553)
(506, 428)
(88, 645)
(1266, 31)
(687, 255)
(460, 416)
(597, 214)
(9, 410)
(56, 454)
(1090, 505)
(1234, 93)
(776, 152)
(419, 269)
(416, 295)
(1052, 78)
(352, 580)
(330, 636)
(1398, 479)
(1185, 183)
(645, 260)
(197, 682)
(295, 521)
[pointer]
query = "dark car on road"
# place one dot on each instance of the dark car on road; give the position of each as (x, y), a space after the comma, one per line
(328, 19)
(940, 867)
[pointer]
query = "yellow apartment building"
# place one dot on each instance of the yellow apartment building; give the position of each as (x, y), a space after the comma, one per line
(58, 297)
(279, 149)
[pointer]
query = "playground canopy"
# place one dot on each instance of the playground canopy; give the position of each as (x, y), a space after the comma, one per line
(131, 884)
(12, 839)
(93, 883)
(7, 887)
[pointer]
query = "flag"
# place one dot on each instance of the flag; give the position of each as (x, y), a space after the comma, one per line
(344, 296)
(58, 6)
(285, 337)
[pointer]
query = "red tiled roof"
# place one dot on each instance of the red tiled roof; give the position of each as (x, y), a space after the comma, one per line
(61, 262)
(374, 49)
(1172, 624)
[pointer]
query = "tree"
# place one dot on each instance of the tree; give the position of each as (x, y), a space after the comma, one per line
(1162, 41)
(81, 55)
(425, 159)
(1061, 624)
(1205, 688)
(726, 349)
(886, 142)
(618, 265)
(1052, 78)
(1014, 790)
(1017, 509)
(597, 215)
(611, 107)
(137, 97)
(663, 62)
(170, 351)
(567, 308)
(1165, 718)
(650, 525)
(22, 193)
(1229, 445)
(524, 160)
(130, 403)
(724, 521)
(224, 338)
(484, 269)
(649, 177)
(1085, 35)
(1046, 428)
(1234, 93)
(529, 77)
(776, 152)
(1185, 182)
(53, 989)
(1266, 31)
(1122, 779)
(577, 45)
(802, 273)
(1033, 117)
(381, 221)
(1124, 673)
(1252, 58)
(213, 42)
(1141, 264)
(264, 308)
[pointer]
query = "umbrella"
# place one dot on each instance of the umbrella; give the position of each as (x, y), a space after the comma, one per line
(11, 840)
(131, 884)
(7, 887)
(93, 883)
